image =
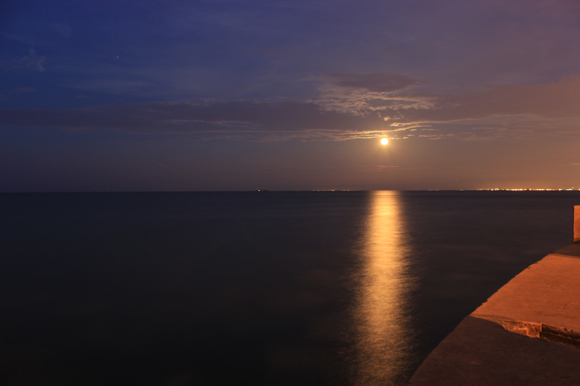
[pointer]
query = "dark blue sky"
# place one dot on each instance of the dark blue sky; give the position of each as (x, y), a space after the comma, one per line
(239, 95)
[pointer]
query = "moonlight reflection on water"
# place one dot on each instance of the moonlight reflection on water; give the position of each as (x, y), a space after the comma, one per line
(382, 321)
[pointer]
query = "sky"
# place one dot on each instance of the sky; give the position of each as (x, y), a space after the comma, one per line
(289, 95)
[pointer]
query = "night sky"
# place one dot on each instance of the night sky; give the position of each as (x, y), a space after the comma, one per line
(285, 95)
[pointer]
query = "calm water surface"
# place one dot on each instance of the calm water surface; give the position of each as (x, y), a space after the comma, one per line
(270, 288)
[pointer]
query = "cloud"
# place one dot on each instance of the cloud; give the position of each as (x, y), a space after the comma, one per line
(360, 94)
(494, 112)
(552, 100)
(234, 119)
(505, 112)
(383, 83)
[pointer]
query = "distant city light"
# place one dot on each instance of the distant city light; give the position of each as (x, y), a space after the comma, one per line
(530, 190)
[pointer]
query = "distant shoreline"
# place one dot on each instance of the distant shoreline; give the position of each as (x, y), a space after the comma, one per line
(300, 191)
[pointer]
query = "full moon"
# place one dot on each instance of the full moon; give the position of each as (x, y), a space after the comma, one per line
(384, 141)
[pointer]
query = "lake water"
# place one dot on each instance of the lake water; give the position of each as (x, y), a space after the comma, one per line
(248, 288)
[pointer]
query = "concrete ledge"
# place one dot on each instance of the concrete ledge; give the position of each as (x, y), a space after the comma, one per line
(527, 333)
(546, 292)
(481, 352)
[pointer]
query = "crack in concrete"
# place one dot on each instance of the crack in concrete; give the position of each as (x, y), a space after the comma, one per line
(537, 330)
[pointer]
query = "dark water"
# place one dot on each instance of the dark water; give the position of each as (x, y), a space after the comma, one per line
(270, 288)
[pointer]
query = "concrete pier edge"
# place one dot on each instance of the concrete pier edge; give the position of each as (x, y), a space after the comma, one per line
(527, 333)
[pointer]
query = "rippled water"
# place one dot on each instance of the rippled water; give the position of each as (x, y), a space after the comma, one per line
(382, 314)
(270, 288)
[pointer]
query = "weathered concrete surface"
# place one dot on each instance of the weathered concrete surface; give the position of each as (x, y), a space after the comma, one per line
(480, 352)
(527, 333)
(546, 292)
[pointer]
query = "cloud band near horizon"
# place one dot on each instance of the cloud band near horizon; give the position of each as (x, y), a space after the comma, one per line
(390, 109)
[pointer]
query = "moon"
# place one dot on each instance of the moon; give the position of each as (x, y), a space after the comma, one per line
(384, 141)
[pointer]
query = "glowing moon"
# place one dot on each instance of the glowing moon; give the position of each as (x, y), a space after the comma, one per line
(384, 141)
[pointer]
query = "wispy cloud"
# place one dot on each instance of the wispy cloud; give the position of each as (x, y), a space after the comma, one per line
(500, 112)
(382, 83)
(552, 100)
(234, 119)
(362, 94)
(348, 111)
